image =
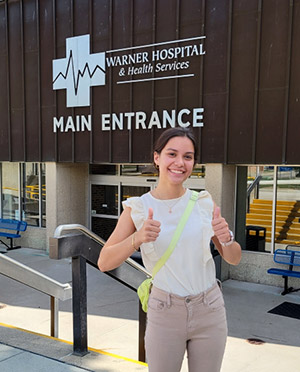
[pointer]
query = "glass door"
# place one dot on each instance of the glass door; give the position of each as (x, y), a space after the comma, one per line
(107, 194)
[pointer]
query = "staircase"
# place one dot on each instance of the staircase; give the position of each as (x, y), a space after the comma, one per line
(287, 219)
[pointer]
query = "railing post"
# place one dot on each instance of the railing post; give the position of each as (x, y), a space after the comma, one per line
(142, 330)
(54, 316)
(79, 288)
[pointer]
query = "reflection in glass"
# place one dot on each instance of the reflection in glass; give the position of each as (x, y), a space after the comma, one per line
(103, 169)
(30, 193)
(43, 180)
(198, 172)
(138, 170)
(10, 190)
(129, 191)
(105, 199)
(103, 227)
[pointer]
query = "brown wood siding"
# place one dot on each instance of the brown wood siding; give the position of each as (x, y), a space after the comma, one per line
(248, 80)
(293, 127)
(4, 96)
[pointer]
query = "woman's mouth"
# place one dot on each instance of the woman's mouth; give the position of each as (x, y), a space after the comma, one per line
(175, 171)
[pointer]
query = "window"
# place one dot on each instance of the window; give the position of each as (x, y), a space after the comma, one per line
(10, 190)
(23, 190)
(272, 209)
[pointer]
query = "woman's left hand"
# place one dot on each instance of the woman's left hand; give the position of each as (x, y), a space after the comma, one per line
(220, 226)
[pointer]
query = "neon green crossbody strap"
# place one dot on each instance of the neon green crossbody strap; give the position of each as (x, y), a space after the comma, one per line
(177, 233)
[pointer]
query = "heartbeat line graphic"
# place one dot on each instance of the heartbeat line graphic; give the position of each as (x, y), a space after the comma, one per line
(80, 73)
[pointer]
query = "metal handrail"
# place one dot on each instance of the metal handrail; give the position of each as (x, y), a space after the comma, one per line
(77, 227)
(253, 185)
(40, 282)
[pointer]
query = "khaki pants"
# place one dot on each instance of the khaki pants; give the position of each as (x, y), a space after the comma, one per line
(194, 323)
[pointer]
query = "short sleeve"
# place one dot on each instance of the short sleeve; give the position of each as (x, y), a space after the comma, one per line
(206, 202)
(206, 207)
(137, 210)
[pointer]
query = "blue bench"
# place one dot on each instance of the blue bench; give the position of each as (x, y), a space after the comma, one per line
(292, 259)
(11, 225)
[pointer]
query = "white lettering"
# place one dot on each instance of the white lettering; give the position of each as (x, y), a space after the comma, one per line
(113, 61)
(117, 122)
(202, 52)
(86, 123)
(129, 115)
(154, 120)
(140, 118)
(179, 118)
(197, 117)
(195, 51)
(105, 121)
(155, 55)
(70, 125)
(177, 52)
(58, 124)
(125, 60)
(188, 48)
(170, 119)
(132, 120)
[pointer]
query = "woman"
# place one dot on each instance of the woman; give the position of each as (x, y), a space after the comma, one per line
(186, 307)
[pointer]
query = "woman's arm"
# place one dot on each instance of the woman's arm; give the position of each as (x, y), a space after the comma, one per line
(231, 253)
(119, 245)
(124, 240)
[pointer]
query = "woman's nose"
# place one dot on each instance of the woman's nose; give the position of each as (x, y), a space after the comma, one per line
(179, 161)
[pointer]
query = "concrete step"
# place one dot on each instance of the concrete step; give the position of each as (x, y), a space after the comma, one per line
(268, 216)
(279, 202)
(291, 229)
(20, 348)
(287, 219)
(279, 211)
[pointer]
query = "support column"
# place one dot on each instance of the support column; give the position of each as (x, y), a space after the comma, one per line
(79, 300)
(220, 182)
(241, 205)
(66, 195)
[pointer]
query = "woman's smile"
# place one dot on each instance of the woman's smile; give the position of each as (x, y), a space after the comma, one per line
(176, 160)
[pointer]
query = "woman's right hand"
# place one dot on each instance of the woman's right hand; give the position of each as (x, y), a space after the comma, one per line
(150, 229)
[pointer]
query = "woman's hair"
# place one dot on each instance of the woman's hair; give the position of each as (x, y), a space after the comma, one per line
(165, 137)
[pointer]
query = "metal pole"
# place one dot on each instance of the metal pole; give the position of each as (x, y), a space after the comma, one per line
(79, 288)
(142, 330)
(274, 205)
(40, 196)
(54, 316)
(257, 187)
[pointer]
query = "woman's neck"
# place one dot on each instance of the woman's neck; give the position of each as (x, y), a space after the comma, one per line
(170, 192)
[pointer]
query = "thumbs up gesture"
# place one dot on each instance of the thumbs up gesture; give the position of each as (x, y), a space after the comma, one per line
(150, 229)
(220, 226)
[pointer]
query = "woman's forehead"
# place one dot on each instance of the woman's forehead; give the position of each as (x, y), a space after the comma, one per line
(180, 143)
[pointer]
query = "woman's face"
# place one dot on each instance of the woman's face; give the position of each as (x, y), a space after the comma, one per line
(176, 160)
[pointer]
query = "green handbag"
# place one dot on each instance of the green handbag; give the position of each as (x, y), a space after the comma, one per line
(143, 290)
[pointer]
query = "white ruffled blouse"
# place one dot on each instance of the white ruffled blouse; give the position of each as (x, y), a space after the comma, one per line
(190, 269)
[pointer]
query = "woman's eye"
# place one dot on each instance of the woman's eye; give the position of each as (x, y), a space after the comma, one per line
(189, 157)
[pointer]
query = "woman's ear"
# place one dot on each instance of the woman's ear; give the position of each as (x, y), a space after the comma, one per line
(156, 158)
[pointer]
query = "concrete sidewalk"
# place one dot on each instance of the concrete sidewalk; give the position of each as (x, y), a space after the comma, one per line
(17, 360)
(113, 325)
